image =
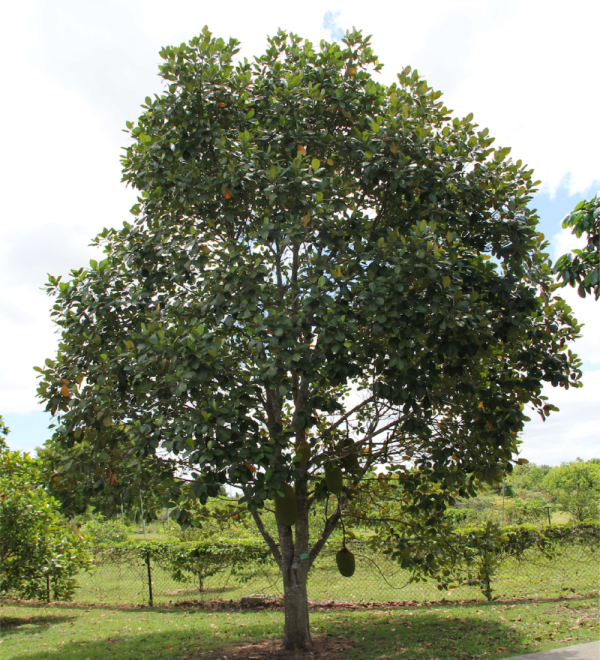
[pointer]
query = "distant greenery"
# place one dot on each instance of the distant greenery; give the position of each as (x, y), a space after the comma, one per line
(109, 531)
(576, 487)
(572, 488)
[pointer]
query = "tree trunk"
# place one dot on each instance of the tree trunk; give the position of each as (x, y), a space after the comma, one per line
(294, 569)
(296, 630)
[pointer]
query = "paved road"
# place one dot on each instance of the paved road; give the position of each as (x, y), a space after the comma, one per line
(589, 651)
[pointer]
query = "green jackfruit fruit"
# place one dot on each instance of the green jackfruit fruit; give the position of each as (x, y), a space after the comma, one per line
(304, 452)
(333, 478)
(286, 508)
(350, 462)
(345, 562)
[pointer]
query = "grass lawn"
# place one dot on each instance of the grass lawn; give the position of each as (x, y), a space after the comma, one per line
(443, 631)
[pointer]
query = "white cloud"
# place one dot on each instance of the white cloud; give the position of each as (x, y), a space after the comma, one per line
(565, 241)
(570, 433)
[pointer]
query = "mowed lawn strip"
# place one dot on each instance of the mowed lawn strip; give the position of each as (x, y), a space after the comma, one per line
(445, 632)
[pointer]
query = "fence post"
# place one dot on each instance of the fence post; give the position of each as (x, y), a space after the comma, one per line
(47, 587)
(149, 578)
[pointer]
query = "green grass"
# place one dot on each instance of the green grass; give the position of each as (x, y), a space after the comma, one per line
(376, 579)
(448, 632)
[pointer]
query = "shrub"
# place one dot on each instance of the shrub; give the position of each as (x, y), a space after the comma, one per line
(107, 531)
(39, 556)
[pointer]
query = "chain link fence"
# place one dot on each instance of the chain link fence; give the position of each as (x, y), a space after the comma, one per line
(131, 579)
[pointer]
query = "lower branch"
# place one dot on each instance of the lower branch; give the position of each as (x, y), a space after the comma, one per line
(330, 526)
(273, 547)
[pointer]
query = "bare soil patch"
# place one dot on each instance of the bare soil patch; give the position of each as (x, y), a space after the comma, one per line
(322, 647)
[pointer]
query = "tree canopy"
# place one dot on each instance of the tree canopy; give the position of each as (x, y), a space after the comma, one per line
(325, 274)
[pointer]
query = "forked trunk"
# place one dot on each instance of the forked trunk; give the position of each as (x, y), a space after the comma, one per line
(294, 558)
(297, 630)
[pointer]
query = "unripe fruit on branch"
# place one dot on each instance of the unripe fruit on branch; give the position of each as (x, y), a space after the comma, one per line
(345, 562)
(350, 462)
(333, 478)
(286, 509)
(304, 452)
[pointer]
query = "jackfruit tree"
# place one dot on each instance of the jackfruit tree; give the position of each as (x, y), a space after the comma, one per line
(324, 274)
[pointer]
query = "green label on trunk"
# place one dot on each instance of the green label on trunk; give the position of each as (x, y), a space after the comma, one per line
(305, 555)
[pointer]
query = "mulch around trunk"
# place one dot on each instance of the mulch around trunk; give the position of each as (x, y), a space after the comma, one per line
(322, 647)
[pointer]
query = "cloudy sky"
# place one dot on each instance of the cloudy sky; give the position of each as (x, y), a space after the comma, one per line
(76, 70)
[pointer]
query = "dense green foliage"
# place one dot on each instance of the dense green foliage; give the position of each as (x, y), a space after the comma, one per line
(527, 480)
(39, 557)
(582, 268)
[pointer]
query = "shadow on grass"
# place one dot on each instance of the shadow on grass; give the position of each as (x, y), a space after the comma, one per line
(31, 625)
(447, 636)
(454, 635)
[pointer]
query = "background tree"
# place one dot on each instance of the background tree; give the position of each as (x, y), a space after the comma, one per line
(528, 479)
(582, 267)
(325, 274)
(39, 557)
(576, 487)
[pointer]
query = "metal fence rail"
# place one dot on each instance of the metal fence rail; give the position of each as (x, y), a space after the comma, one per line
(133, 580)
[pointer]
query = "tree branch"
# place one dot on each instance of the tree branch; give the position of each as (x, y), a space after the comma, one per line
(349, 413)
(330, 526)
(273, 547)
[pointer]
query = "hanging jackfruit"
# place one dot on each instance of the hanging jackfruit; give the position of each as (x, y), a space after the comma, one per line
(350, 460)
(345, 562)
(286, 508)
(333, 478)
(304, 452)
